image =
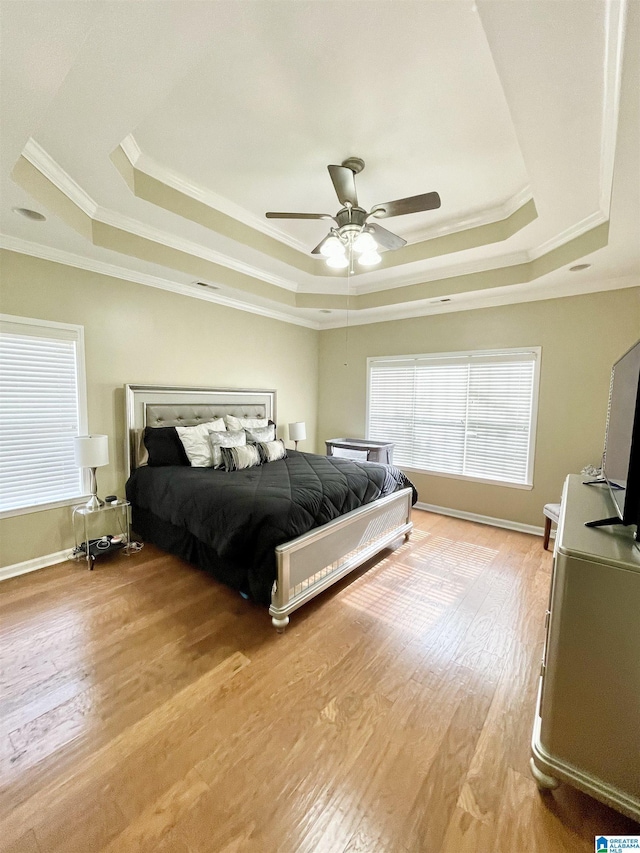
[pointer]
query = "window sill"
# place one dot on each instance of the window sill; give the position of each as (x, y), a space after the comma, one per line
(27, 510)
(502, 483)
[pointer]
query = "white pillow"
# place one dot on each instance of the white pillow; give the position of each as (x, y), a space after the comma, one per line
(229, 438)
(195, 440)
(242, 423)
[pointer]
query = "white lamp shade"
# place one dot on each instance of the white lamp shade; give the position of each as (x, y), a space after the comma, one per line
(91, 451)
(298, 431)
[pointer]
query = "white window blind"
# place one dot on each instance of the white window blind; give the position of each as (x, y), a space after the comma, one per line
(466, 414)
(41, 410)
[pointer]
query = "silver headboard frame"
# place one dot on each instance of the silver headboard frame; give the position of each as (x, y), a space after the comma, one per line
(175, 405)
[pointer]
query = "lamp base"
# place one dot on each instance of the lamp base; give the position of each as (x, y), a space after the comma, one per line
(94, 502)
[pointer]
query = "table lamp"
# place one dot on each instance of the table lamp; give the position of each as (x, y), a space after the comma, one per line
(92, 451)
(297, 432)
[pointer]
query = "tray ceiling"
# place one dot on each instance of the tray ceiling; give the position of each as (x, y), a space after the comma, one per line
(154, 137)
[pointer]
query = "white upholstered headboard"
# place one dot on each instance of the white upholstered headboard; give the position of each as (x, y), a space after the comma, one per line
(173, 405)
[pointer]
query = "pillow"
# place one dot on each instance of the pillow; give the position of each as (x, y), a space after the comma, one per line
(139, 452)
(257, 434)
(271, 451)
(242, 423)
(195, 440)
(229, 438)
(164, 447)
(237, 458)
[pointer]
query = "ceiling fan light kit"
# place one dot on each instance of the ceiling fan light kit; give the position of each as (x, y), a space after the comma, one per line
(353, 233)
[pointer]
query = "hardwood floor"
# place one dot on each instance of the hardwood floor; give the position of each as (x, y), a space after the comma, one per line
(144, 707)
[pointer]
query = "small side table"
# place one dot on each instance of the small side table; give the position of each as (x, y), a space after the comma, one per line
(84, 518)
(377, 451)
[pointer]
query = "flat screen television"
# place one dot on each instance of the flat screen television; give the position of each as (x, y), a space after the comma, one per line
(621, 458)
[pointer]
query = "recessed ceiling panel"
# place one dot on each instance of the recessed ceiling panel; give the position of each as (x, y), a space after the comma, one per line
(287, 88)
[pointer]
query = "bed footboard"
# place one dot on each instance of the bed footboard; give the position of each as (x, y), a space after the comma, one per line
(313, 562)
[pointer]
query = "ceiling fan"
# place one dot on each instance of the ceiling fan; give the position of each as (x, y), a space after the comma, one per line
(353, 232)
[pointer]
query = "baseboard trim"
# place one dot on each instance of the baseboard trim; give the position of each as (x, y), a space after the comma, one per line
(16, 569)
(60, 556)
(482, 519)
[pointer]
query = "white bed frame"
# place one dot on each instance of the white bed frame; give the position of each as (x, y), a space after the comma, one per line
(308, 565)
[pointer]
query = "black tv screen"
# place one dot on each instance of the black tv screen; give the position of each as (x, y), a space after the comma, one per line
(621, 460)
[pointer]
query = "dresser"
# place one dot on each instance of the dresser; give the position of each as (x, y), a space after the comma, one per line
(587, 723)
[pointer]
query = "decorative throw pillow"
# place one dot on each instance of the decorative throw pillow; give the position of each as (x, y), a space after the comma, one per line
(138, 450)
(257, 434)
(164, 447)
(244, 423)
(229, 438)
(195, 440)
(237, 458)
(271, 451)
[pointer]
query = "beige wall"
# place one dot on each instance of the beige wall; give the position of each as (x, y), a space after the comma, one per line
(139, 334)
(580, 338)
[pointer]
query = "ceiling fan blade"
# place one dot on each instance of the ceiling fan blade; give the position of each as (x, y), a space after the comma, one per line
(272, 215)
(385, 238)
(344, 183)
(413, 204)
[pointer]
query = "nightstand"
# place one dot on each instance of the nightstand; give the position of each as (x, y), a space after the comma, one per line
(94, 530)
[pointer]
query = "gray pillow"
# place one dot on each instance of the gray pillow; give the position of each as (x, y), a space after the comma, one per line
(230, 438)
(256, 434)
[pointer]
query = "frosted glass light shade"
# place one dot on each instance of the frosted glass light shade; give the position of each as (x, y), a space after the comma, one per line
(369, 259)
(364, 242)
(91, 451)
(331, 246)
(338, 262)
(298, 431)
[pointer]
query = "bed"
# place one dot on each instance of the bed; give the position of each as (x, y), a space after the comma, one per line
(281, 532)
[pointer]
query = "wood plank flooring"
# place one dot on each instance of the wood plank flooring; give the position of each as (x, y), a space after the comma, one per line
(144, 707)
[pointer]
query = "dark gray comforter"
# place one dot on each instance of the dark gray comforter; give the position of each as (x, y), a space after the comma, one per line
(240, 516)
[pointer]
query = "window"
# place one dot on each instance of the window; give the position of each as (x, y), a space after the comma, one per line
(42, 408)
(459, 414)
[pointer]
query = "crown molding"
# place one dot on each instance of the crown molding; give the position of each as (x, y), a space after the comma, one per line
(475, 219)
(459, 302)
(144, 163)
(576, 230)
(177, 181)
(52, 171)
(59, 256)
(485, 264)
(44, 163)
(156, 235)
(615, 30)
(468, 268)
(475, 300)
